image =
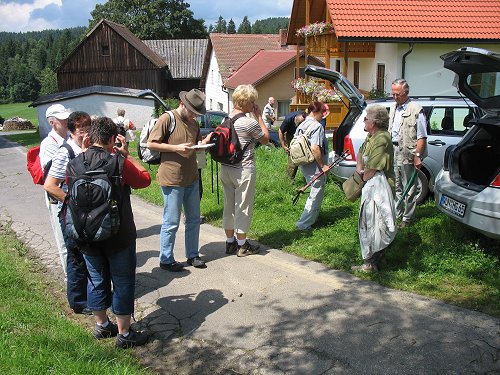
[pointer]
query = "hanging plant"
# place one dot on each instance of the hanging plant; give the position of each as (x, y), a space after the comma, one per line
(316, 90)
(315, 29)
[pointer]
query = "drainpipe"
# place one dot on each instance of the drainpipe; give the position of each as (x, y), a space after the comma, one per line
(403, 68)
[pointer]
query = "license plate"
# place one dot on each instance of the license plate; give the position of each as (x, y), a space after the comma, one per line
(453, 206)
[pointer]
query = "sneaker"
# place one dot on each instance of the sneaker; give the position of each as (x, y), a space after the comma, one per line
(134, 338)
(196, 262)
(231, 247)
(172, 267)
(247, 249)
(105, 332)
(365, 267)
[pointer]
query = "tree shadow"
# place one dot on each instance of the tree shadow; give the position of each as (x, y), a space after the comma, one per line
(147, 232)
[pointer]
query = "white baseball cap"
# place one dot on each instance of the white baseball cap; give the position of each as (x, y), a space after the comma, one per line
(58, 111)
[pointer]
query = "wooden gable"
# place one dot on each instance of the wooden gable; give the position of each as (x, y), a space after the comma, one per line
(111, 55)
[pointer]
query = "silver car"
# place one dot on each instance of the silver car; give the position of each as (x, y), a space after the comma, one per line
(447, 122)
(468, 187)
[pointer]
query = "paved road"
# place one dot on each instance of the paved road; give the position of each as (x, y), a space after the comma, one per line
(272, 313)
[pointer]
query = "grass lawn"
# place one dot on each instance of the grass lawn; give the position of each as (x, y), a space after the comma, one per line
(436, 256)
(20, 110)
(36, 336)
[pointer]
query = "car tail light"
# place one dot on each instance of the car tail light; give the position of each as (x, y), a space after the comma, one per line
(496, 181)
(348, 147)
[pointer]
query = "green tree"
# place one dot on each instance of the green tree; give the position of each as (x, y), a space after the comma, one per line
(245, 26)
(152, 19)
(220, 26)
(231, 27)
(48, 81)
(257, 28)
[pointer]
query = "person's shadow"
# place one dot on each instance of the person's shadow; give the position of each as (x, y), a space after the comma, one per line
(182, 314)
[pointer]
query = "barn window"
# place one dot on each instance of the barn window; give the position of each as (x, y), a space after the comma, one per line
(105, 50)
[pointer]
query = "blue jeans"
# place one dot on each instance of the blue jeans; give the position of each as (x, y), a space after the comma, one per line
(175, 198)
(119, 269)
(77, 285)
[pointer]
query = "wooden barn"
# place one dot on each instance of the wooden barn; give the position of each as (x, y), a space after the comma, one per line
(110, 55)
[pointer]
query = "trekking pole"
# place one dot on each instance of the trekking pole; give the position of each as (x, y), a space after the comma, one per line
(217, 181)
(407, 189)
(335, 162)
(212, 173)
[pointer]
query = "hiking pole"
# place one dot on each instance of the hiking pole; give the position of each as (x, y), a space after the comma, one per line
(335, 162)
(407, 189)
(217, 179)
(212, 173)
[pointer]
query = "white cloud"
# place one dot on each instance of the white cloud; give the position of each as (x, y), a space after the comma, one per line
(17, 17)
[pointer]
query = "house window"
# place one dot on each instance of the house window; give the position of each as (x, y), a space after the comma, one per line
(211, 104)
(356, 74)
(301, 72)
(337, 65)
(212, 77)
(283, 108)
(381, 77)
(220, 107)
(105, 50)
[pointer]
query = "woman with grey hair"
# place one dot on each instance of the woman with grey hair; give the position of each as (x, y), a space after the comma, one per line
(377, 214)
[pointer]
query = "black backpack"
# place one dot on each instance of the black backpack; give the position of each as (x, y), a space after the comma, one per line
(92, 206)
(227, 149)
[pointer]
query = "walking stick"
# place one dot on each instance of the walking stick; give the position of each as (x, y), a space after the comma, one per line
(212, 173)
(335, 162)
(217, 179)
(407, 189)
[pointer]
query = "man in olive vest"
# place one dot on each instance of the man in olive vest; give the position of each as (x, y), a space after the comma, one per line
(408, 129)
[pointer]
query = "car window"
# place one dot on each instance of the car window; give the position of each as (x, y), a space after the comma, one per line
(216, 120)
(448, 120)
(200, 120)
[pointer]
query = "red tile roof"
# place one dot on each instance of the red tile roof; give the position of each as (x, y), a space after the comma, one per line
(404, 20)
(233, 50)
(263, 65)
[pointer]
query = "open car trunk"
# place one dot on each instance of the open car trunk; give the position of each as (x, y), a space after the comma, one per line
(475, 162)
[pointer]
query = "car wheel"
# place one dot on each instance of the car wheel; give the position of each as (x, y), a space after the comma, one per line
(422, 187)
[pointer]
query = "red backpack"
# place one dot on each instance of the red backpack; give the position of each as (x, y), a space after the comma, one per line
(227, 149)
(35, 166)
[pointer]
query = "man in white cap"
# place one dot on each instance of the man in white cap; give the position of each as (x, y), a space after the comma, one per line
(57, 116)
(178, 178)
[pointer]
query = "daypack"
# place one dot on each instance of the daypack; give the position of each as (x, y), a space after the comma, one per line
(91, 211)
(227, 149)
(144, 153)
(34, 164)
(300, 148)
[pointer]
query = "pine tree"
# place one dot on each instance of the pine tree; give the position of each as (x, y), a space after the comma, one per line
(231, 27)
(245, 26)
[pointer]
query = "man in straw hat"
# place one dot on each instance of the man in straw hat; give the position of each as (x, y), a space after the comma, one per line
(178, 178)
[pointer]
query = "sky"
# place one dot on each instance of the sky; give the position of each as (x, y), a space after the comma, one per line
(36, 15)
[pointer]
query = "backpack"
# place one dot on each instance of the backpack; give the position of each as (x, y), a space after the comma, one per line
(300, 148)
(91, 210)
(227, 149)
(34, 164)
(144, 153)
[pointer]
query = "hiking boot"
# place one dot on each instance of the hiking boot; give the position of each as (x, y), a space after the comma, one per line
(196, 262)
(366, 267)
(134, 338)
(247, 249)
(231, 247)
(105, 332)
(172, 267)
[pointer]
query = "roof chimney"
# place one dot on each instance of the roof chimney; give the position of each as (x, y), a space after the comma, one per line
(283, 36)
